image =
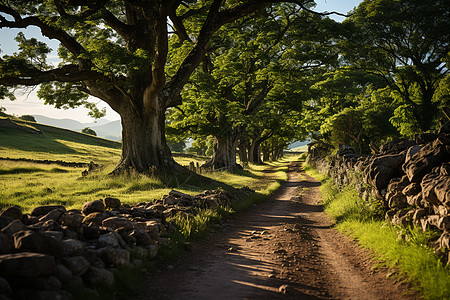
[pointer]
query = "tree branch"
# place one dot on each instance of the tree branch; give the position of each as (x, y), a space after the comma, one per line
(67, 73)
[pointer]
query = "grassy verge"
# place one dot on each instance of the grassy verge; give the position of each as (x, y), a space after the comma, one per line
(412, 256)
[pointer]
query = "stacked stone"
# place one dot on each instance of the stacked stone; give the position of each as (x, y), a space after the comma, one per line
(51, 250)
(411, 179)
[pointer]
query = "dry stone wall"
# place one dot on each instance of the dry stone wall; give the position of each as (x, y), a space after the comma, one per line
(52, 250)
(409, 178)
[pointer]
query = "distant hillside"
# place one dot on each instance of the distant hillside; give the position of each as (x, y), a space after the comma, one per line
(22, 139)
(104, 128)
(111, 130)
(298, 144)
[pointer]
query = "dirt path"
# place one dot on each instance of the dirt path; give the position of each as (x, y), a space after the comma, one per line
(284, 248)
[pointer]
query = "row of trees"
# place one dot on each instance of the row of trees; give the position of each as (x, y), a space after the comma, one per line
(240, 77)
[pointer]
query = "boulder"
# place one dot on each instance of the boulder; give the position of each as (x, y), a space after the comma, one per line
(111, 203)
(442, 190)
(54, 215)
(12, 212)
(73, 246)
(98, 276)
(93, 206)
(383, 169)
(50, 225)
(415, 201)
(27, 264)
(445, 169)
(13, 227)
(444, 241)
(418, 215)
(412, 189)
(118, 222)
(428, 157)
(115, 257)
(6, 243)
(142, 237)
(96, 218)
(91, 231)
(4, 221)
(108, 240)
(33, 241)
(43, 210)
(76, 264)
(63, 273)
(179, 194)
(396, 200)
(5, 288)
(428, 184)
(72, 219)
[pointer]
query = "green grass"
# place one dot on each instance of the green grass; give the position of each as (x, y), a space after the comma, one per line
(29, 184)
(413, 256)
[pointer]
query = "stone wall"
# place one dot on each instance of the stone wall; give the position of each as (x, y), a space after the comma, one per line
(409, 178)
(52, 250)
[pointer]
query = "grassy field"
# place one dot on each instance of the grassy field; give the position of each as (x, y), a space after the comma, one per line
(28, 184)
(364, 222)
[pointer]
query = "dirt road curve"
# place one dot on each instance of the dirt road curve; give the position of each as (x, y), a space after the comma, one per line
(284, 248)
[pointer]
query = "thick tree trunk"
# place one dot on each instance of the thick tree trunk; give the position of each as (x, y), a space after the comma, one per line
(224, 155)
(242, 151)
(254, 152)
(144, 149)
(265, 154)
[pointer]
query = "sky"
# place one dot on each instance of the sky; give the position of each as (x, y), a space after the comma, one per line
(28, 103)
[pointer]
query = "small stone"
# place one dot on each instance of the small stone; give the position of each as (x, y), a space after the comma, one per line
(178, 194)
(169, 267)
(194, 268)
(284, 289)
(93, 206)
(112, 203)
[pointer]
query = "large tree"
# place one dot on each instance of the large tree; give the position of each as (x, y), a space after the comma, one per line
(117, 51)
(248, 68)
(403, 42)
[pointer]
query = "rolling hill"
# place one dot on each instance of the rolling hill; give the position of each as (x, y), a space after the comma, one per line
(104, 128)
